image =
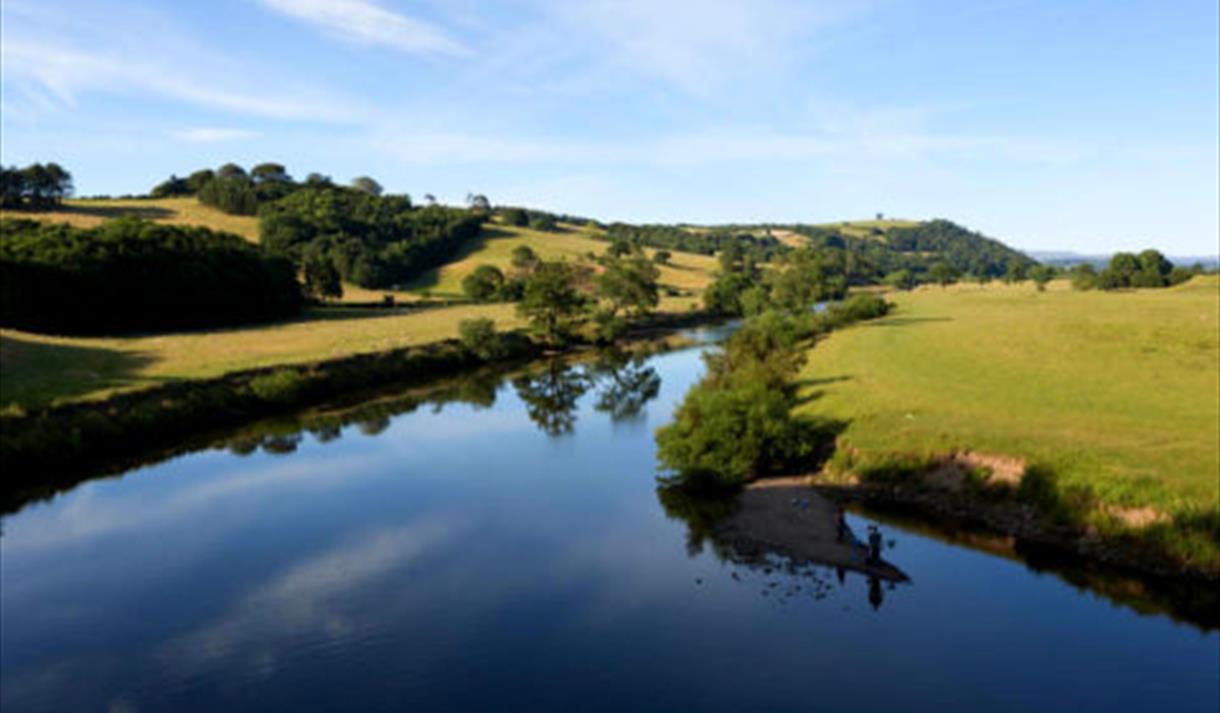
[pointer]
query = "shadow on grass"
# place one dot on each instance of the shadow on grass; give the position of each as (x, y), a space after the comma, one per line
(906, 321)
(117, 211)
(432, 277)
(37, 373)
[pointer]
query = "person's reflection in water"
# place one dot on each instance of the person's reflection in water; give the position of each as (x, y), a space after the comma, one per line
(875, 594)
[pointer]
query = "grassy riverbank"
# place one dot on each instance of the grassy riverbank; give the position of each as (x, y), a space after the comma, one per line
(1111, 397)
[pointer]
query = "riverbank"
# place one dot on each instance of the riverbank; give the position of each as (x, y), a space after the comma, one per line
(1086, 420)
(48, 448)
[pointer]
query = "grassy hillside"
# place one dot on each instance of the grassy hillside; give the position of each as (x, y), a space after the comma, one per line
(687, 272)
(1119, 392)
(867, 229)
(175, 211)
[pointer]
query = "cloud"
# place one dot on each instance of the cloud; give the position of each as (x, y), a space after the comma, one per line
(207, 134)
(699, 45)
(366, 22)
(63, 73)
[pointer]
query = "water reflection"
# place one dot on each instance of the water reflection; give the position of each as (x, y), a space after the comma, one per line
(789, 562)
(623, 384)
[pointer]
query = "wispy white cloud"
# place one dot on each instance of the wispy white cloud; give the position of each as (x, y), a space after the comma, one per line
(212, 134)
(699, 45)
(65, 72)
(366, 22)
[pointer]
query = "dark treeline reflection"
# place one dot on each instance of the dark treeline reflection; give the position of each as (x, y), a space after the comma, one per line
(621, 382)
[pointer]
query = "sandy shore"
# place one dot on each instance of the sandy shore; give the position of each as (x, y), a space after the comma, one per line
(786, 516)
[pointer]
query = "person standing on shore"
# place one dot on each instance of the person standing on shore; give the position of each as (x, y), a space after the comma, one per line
(874, 544)
(840, 524)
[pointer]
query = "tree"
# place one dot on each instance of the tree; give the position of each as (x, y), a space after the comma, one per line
(318, 180)
(551, 301)
(514, 216)
(485, 284)
(196, 180)
(900, 279)
(942, 274)
(478, 203)
(231, 170)
(429, 199)
(730, 257)
(1014, 271)
(544, 222)
(172, 186)
(1084, 277)
(367, 185)
(662, 257)
(1042, 274)
(523, 258)
(322, 279)
(270, 173)
(629, 285)
(619, 248)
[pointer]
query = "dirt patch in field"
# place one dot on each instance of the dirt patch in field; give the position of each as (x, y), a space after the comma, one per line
(1137, 518)
(955, 470)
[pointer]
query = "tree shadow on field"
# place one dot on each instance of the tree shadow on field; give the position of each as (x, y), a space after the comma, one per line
(431, 278)
(905, 321)
(117, 211)
(36, 373)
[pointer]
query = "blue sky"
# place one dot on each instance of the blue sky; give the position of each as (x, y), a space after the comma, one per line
(1088, 126)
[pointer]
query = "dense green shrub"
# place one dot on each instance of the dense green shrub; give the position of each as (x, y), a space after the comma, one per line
(132, 275)
(484, 284)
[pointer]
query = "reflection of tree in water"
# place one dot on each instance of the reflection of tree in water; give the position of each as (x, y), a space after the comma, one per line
(700, 510)
(551, 395)
(629, 385)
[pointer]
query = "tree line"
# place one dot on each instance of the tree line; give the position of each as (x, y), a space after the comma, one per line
(232, 189)
(36, 187)
(130, 275)
(1148, 269)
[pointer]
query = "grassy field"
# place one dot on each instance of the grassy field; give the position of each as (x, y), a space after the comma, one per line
(1118, 392)
(864, 228)
(39, 368)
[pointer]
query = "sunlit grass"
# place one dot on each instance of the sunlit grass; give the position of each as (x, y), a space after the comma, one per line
(1119, 392)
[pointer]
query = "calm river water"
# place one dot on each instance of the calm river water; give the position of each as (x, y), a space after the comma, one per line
(502, 547)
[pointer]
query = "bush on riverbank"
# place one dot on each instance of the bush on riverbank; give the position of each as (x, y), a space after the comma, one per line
(737, 424)
(132, 275)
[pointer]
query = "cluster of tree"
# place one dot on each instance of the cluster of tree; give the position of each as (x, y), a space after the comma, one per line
(527, 217)
(371, 240)
(738, 423)
(802, 278)
(703, 242)
(559, 297)
(1147, 269)
(132, 275)
(927, 252)
(37, 186)
(488, 283)
(232, 189)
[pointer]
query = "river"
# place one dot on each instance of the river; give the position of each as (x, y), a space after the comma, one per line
(500, 545)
